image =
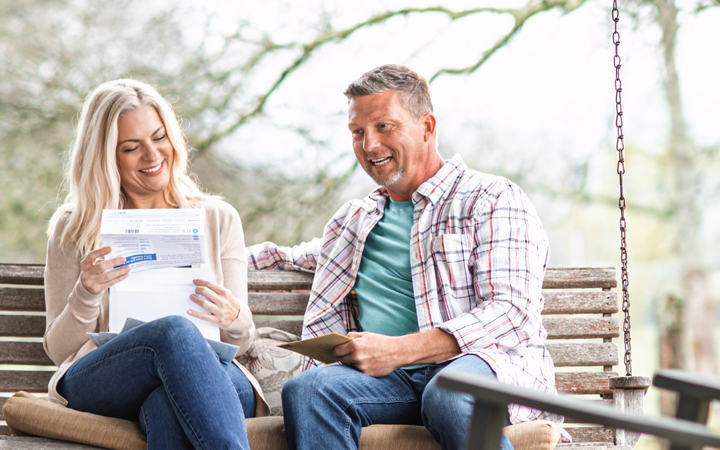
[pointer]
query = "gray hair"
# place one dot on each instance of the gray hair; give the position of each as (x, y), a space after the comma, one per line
(414, 89)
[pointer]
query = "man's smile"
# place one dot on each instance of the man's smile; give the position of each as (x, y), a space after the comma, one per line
(381, 161)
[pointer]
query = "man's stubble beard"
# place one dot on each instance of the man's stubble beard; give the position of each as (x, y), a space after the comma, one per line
(390, 179)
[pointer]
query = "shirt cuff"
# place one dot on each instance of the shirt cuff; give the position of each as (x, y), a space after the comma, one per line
(469, 332)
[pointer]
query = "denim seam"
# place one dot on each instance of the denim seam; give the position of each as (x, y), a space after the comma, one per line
(348, 404)
(179, 410)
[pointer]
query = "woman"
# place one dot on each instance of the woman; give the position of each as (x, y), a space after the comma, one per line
(130, 153)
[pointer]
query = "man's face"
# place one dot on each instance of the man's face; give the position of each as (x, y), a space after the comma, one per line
(388, 143)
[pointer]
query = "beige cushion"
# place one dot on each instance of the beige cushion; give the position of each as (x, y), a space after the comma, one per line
(27, 414)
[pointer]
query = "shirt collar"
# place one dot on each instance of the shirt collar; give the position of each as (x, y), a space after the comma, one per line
(433, 189)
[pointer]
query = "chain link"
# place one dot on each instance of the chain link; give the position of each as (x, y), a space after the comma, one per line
(620, 146)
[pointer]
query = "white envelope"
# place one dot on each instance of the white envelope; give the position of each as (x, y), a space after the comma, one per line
(152, 294)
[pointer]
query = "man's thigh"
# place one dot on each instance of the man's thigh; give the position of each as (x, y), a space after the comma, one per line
(392, 399)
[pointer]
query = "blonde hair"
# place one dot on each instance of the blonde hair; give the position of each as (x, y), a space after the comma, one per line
(93, 178)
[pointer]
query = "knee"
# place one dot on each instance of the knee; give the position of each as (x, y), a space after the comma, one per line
(309, 389)
(440, 404)
(175, 328)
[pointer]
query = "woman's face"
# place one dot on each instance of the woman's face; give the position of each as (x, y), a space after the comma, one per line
(144, 156)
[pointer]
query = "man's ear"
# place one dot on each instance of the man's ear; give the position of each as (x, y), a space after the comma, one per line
(430, 126)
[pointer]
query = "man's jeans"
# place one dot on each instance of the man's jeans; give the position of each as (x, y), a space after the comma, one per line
(326, 408)
(165, 375)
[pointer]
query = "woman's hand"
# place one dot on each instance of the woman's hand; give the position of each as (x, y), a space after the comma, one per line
(96, 275)
(221, 303)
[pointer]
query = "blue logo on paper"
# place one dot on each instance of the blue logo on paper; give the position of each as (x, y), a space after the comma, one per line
(195, 230)
(138, 258)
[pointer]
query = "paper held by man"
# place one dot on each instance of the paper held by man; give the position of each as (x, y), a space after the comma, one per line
(319, 348)
(154, 243)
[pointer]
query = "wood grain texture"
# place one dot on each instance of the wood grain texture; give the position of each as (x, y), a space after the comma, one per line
(580, 278)
(30, 353)
(24, 380)
(580, 302)
(291, 326)
(581, 327)
(591, 434)
(37, 443)
(22, 326)
(583, 382)
(19, 299)
(584, 354)
(265, 280)
(27, 274)
(278, 303)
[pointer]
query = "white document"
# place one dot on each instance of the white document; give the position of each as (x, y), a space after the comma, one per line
(154, 238)
(152, 294)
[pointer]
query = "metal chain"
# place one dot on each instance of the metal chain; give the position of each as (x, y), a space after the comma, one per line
(620, 146)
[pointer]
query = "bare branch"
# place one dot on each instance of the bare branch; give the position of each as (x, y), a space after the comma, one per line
(520, 15)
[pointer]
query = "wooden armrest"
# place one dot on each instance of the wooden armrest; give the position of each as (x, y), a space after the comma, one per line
(497, 396)
(695, 392)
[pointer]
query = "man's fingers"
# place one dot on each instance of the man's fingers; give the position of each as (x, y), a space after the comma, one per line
(343, 350)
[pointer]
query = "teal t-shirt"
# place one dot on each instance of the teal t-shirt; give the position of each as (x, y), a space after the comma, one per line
(384, 289)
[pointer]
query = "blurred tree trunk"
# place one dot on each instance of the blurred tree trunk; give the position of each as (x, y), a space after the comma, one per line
(672, 324)
(699, 308)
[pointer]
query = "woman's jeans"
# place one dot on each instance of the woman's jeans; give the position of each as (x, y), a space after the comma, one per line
(164, 375)
(326, 408)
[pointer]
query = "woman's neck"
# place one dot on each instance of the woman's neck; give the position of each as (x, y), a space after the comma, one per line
(150, 202)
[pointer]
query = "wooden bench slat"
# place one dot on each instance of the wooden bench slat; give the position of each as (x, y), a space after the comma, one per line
(592, 434)
(37, 443)
(583, 382)
(291, 326)
(584, 354)
(28, 353)
(587, 302)
(24, 380)
(572, 278)
(580, 278)
(581, 327)
(285, 280)
(22, 325)
(19, 299)
(278, 303)
(27, 274)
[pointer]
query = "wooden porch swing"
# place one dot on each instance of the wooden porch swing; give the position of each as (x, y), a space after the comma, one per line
(579, 306)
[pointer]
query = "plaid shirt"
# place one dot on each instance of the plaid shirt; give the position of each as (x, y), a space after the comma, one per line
(478, 256)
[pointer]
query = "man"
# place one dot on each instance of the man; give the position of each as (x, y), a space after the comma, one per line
(440, 269)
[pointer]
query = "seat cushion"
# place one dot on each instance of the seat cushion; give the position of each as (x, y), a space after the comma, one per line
(27, 414)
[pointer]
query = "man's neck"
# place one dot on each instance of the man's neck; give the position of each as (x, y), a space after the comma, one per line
(404, 194)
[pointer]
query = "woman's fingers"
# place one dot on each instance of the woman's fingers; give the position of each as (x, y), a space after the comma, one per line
(220, 302)
(98, 275)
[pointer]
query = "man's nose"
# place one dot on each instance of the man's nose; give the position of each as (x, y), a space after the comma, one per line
(370, 141)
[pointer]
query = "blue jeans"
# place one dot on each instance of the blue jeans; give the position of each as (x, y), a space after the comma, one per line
(327, 407)
(164, 375)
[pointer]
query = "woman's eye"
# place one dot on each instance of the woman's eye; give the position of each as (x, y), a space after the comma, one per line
(128, 150)
(161, 137)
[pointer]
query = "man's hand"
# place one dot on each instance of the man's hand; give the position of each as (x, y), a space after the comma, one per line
(378, 355)
(372, 354)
